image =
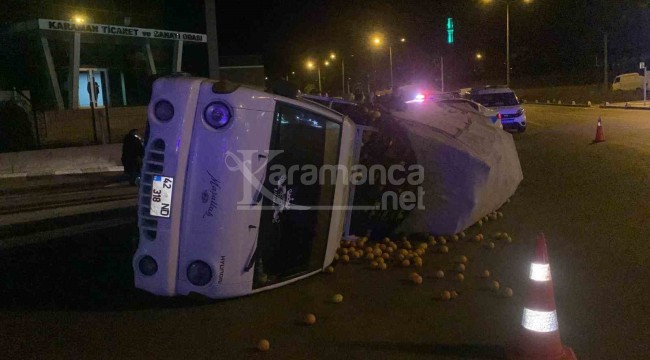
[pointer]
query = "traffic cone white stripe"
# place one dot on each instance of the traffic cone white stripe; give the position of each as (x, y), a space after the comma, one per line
(540, 272)
(540, 321)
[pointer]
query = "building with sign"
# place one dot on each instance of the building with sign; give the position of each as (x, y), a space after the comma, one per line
(90, 81)
(120, 61)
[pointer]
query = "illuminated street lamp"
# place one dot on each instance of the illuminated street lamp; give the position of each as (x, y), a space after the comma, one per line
(333, 57)
(377, 40)
(507, 32)
(479, 56)
(78, 19)
(310, 65)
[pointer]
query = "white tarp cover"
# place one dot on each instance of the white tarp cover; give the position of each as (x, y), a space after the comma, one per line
(471, 166)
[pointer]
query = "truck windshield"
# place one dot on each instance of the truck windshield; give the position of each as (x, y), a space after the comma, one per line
(496, 99)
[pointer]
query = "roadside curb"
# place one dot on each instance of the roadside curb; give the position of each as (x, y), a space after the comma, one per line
(624, 107)
(63, 172)
(565, 105)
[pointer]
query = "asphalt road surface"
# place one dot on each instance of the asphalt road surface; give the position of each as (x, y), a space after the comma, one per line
(73, 297)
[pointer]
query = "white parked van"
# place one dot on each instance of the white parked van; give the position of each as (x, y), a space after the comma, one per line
(630, 81)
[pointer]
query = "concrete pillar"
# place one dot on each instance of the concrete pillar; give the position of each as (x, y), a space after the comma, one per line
(54, 81)
(177, 61)
(152, 65)
(73, 80)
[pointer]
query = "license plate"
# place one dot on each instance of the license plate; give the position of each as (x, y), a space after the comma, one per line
(161, 196)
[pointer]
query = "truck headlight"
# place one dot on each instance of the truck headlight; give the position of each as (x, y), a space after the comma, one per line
(147, 265)
(163, 110)
(199, 273)
(217, 114)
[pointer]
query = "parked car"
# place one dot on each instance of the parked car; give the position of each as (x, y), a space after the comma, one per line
(503, 100)
(629, 81)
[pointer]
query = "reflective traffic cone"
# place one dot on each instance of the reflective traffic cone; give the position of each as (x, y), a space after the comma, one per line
(539, 337)
(600, 137)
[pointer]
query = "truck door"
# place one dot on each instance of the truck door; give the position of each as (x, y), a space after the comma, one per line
(299, 186)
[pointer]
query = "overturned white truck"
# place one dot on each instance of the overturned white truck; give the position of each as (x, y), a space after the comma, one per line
(471, 166)
(232, 201)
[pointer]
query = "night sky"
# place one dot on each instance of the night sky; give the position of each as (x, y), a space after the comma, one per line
(553, 40)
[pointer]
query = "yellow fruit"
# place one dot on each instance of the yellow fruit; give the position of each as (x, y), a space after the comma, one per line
(380, 260)
(418, 280)
(490, 245)
(377, 252)
(263, 345)
(390, 250)
(408, 246)
(420, 252)
(477, 238)
(329, 269)
(479, 223)
(444, 249)
(442, 240)
(485, 218)
(386, 240)
(337, 298)
(368, 250)
(495, 285)
(422, 245)
(509, 239)
(344, 251)
(440, 274)
(345, 258)
(485, 274)
(385, 256)
(445, 295)
(462, 259)
(413, 275)
(383, 266)
(370, 256)
(374, 265)
(507, 292)
(336, 256)
(462, 234)
(454, 294)
(403, 252)
(460, 277)
(382, 247)
(406, 263)
(401, 257)
(499, 214)
(454, 238)
(460, 267)
(310, 319)
(433, 243)
(505, 235)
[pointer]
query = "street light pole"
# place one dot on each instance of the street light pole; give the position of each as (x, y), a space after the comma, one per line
(508, 43)
(320, 90)
(342, 76)
(390, 56)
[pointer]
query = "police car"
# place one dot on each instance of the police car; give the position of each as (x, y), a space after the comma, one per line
(505, 102)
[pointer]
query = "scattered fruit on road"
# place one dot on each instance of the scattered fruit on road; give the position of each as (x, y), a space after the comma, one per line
(263, 345)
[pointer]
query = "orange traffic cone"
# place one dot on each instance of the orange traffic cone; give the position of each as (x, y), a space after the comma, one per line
(600, 137)
(539, 338)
